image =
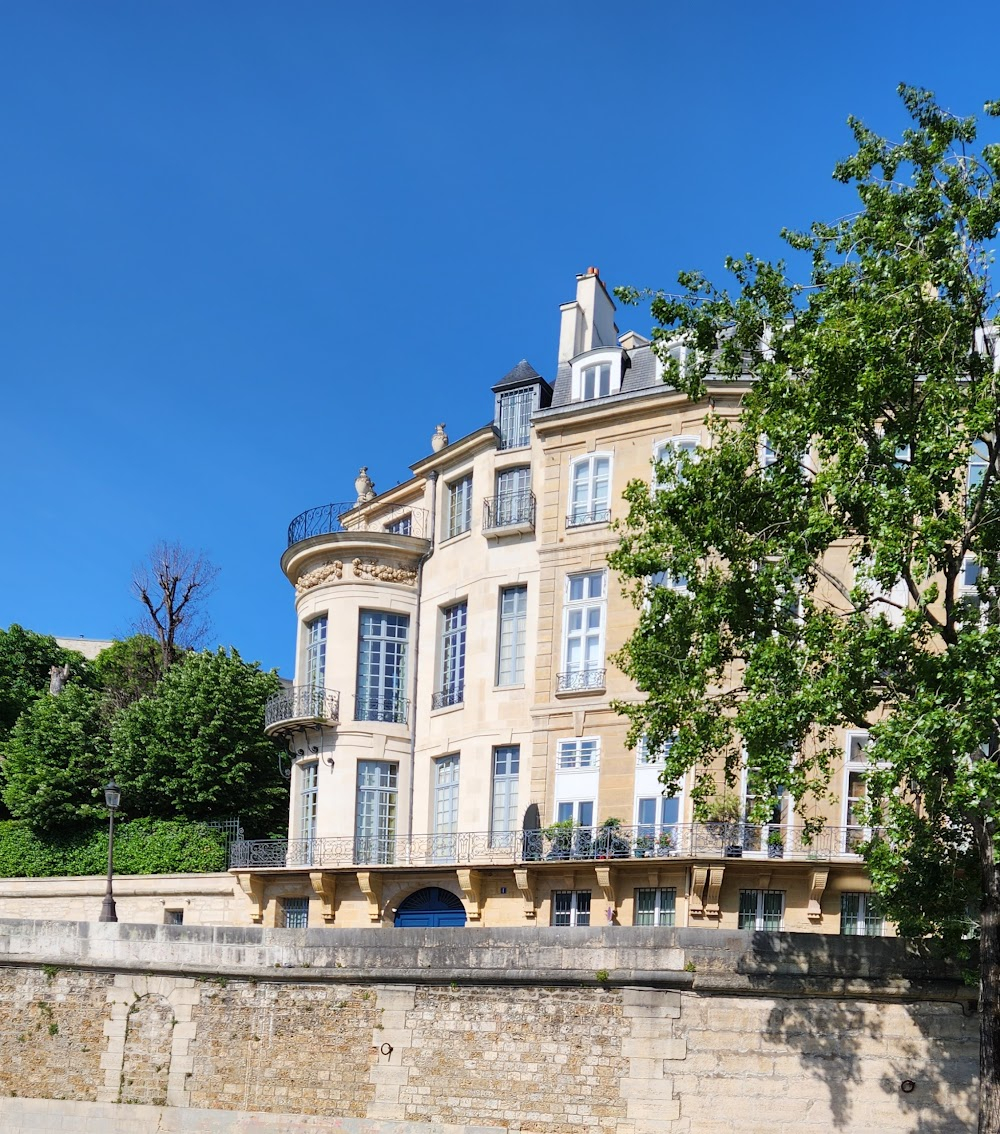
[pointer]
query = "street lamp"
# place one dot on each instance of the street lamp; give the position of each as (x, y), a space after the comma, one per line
(112, 797)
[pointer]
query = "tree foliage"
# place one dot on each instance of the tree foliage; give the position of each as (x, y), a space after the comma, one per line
(855, 581)
(195, 747)
(25, 659)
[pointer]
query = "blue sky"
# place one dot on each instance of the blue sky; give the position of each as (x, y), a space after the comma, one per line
(249, 247)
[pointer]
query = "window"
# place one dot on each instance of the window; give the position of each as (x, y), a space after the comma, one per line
(590, 488)
(761, 909)
(454, 620)
(646, 755)
(308, 784)
(596, 374)
(667, 453)
(316, 652)
(515, 418)
(503, 820)
(656, 815)
(859, 916)
(375, 812)
(571, 907)
(578, 754)
(445, 808)
(672, 582)
(512, 635)
(583, 632)
(295, 913)
(382, 667)
(578, 811)
(855, 791)
(459, 506)
(595, 381)
(401, 526)
(655, 907)
(766, 454)
(173, 917)
(514, 503)
(979, 462)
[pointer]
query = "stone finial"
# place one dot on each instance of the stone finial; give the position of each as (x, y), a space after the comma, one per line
(363, 486)
(440, 439)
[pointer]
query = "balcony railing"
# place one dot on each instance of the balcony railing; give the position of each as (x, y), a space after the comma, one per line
(302, 703)
(327, 520)
(443, 698)
(581, 679)
(553, 844)
(388, 710)
(581, 516)
(509, 510)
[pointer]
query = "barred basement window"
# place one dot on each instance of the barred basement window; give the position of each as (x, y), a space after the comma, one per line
(859, 916)
(761, 909)
(655, 907)
(295, 913)
(571, 907)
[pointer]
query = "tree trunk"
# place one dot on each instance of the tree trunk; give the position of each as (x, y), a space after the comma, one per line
(989, 1020)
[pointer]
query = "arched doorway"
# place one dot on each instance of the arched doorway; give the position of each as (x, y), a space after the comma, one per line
(430, 907)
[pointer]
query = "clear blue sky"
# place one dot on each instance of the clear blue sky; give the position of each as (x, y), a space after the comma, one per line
(248, 247)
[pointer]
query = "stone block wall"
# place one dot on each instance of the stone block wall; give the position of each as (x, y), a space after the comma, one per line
(553, 1031)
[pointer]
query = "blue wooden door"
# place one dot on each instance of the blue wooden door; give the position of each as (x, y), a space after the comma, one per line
(431, 907)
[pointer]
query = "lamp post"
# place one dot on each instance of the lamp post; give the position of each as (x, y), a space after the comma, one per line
(112, 797)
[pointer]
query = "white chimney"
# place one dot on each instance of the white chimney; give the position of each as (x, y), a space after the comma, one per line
(589, 321)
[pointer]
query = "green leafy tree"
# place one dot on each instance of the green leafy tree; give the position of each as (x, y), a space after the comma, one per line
(127, 670)
(852, 580)
(195, 747)
(25, 660)
(57, 759)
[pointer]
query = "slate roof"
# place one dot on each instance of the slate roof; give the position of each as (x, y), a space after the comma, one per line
(638, 376)
(521, 375)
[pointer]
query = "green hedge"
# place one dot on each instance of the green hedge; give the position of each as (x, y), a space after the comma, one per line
(142, 846)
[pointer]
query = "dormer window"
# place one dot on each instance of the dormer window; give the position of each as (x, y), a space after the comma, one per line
(597, 374)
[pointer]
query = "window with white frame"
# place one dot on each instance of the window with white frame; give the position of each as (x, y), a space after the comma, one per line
(979, 462)
(295, 913)
(596, 375)
(667, 579)
(503, 817)
(859, 915)
(856, 768)
(583, 631)
(668, 454)
(382, 653)
(571, 907)
(578, 754)
(655, 906)
(375, 811)
(514, 414)
(577, 811)
(459, 516)
(308, 798)
(590, 490)
(644, 754)
(446, 769)
(403, 525)
(657, 815)
(767, 455)
(512, 635)
(761, 909)
(451, 690)
(514, 503)
(315, 674)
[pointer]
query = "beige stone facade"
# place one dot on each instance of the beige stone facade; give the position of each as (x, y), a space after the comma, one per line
(453, 689)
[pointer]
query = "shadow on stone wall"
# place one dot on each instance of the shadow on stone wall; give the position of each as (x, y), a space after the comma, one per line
(930, 1043)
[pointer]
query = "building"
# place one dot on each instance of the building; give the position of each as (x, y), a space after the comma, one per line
(456, 759)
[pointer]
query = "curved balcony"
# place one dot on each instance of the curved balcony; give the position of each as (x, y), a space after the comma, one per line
(328, 520)
(301, 705)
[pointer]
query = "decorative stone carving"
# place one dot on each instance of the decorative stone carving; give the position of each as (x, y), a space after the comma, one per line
(440, 439)
(58, 676)
(322, 574)
(384, 572)
(363, 486)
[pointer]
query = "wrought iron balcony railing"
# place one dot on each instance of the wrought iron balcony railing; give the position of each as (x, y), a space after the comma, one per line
(509, 510)
(302, 703)
(581, 679)
(327, 520)
(452, 695)
(579, 516)
(554, 844)
(388, 710)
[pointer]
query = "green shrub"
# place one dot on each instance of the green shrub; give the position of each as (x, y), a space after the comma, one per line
(142, 846)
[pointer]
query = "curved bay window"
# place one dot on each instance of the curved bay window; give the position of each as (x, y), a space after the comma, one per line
(382, 655)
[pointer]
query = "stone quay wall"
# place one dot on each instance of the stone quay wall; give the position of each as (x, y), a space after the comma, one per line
(619, 1029)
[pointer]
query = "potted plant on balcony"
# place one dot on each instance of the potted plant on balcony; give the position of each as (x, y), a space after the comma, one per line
(722, 813)
(560, 837)
(775, 843)
(610, 842)
(644, 845)
(665, 844)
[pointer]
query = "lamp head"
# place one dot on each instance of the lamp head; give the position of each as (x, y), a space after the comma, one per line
(112, 796)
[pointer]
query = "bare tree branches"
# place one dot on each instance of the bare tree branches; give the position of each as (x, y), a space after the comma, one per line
(172, 587)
